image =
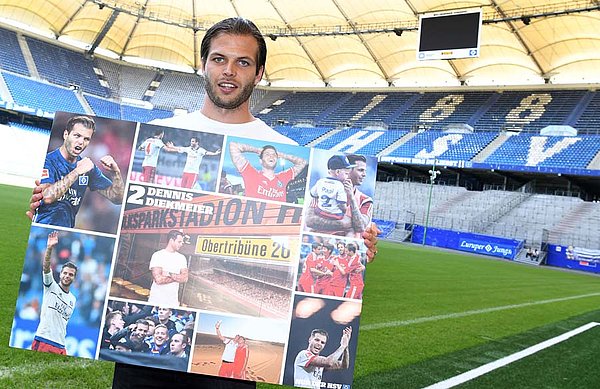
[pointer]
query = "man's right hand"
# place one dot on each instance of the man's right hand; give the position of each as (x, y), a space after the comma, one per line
(36, 198)
(52, 239)
(84, 166)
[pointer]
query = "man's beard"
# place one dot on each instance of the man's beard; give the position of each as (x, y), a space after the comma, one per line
(244, 95)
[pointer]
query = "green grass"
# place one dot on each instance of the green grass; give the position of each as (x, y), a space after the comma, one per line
(405, 283)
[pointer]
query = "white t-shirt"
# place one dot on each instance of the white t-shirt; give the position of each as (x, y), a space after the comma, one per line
(151, 147)
(305, 375)
(230, 349)
(57, 308)
(166, 295)
(194, 158)
(196, 121)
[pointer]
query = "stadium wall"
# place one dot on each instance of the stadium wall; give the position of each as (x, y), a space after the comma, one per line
(574, 258)
(468, 242)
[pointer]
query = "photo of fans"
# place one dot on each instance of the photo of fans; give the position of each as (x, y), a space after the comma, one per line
(173, 157)
(85, 152)
(322, 346)
(147, 335)
(340, 193)
(266, 171)
(239, 347)
(62, 292)
(332, 267)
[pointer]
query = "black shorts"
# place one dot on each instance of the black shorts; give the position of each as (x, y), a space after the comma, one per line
(133, 377)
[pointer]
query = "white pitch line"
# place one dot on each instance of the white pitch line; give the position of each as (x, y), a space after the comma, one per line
(400, 323)
(471, 374)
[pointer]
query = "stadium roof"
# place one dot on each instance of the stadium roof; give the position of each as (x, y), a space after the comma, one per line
(337, 42)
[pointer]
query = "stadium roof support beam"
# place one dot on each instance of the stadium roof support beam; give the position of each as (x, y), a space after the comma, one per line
(515, 32)
(362, 40)
(71, 18)
(109, 23)
(135, 25)
(312, 60)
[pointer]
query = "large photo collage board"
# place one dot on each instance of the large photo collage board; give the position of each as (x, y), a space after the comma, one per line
(199, 252)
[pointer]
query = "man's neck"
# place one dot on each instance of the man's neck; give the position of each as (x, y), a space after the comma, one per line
(239, 115)
(66, 156)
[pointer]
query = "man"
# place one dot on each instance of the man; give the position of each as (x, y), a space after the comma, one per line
(195, 153)
(359, 210)
(135, 334)
(158, 345)
(114, 323)
(339, 276)
(306, 282)
(66, 176)
(151, 148)
(177, 346)
(309, 365)
(324, 269)
(233, 54)
(329, 198)
(355, 271)
(58, 304)
(169, 269)
(265, 184)
(228, 356)
(164, 317)
(224, 184)
(240, 362)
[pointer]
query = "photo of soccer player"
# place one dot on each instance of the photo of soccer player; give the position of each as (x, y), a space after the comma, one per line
(85, 152)
(266, 171)
(341, 191)
(147, 335)
(322, 347)
(239, 347)
(174, 157)
(332, 266)
(62, 292)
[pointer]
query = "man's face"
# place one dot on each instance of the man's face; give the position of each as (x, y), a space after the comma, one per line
(177, 345)
(326, 252)
(269, 158)
(358, 173)
(76, 141)
(194, 143)
(140, 332)
(176, 243)
(341, 248)
(316, 343)
(117, 322)
(160, 336)
(164, 314)
(67, 275)
(317, 250)
(230, 70)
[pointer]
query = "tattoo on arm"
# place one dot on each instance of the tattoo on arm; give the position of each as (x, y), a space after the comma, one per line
(115, 192)
(57, 190)
(46, 263)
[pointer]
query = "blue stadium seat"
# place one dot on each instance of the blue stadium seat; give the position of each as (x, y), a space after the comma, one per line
(11, 56)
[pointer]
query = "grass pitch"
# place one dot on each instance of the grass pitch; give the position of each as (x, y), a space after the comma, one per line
(428, 315)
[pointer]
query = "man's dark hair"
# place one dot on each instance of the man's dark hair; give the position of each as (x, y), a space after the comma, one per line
(353, 158)
(158, 131)
(69, 264)
(173, 234)
(316, 244)
(87, 122)
(351, 247)
(328, 246)
(319, 331)
(267, 147)
(235, 26)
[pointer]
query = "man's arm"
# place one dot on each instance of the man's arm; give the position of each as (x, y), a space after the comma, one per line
(316, 222)
(299, 163)
(56, 190)
(213, 153)
(114, 193)
(52, 241)
(181, 277)
(333, 361)
(160, 277)
(218, 329)
(237, 150)
(360, 221)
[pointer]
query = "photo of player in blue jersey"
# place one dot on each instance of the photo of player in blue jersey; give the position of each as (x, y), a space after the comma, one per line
(67, 176)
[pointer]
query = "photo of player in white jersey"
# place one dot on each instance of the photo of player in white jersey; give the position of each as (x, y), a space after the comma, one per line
(57, 305)
(195, 153)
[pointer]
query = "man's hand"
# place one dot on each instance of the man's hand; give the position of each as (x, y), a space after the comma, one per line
(109, 163)
(346, 337)
(218, 324)
(84, 166)
(52, 239)
(36, 198)
(370, 239)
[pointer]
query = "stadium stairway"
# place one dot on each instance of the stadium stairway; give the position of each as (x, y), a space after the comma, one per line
(397, 143)
(571, 221)
(491, 147)
(4, 91)
(86, 106)
(595, 162)
(28, 57)
(522, 257)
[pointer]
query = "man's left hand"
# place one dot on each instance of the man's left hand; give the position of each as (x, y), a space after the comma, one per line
(370, 239)
(109, 163)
